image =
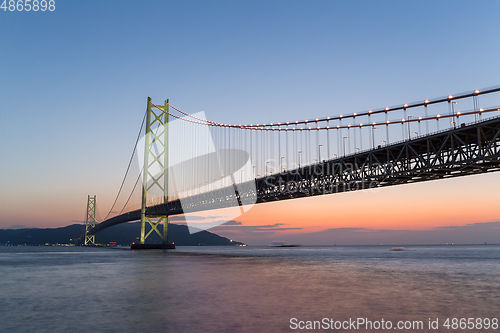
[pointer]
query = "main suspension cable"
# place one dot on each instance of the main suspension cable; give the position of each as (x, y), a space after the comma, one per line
(128, 167)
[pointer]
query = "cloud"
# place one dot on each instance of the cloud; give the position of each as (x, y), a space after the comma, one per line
(256, 229)
(479, 233)
(232, 223)
(181, 218)
(476, 233)
(17, 226)
(346, 230)
(236, 226)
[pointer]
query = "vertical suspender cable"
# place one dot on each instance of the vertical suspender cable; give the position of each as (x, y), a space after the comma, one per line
(328, 139)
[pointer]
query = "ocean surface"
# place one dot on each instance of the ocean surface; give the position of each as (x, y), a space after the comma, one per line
(245, 289)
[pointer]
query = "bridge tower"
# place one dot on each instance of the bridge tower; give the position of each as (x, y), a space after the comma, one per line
(90, 221)
(155, 173)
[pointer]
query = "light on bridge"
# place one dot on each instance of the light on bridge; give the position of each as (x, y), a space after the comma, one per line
(450, 97)
(426, 101)
(476, 91)
(387, 109)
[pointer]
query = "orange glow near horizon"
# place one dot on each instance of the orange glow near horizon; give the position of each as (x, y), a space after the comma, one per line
(419, 206)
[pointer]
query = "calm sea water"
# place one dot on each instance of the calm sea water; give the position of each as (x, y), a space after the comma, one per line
(242, 289)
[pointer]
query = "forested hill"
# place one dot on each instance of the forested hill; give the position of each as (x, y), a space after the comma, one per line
(123, 234)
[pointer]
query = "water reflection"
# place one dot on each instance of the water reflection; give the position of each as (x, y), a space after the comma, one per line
(103, 290)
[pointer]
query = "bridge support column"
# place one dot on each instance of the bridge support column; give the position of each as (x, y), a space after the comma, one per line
(90, 221)
(155, 171)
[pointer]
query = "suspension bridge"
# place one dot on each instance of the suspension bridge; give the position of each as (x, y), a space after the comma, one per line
(191, 164)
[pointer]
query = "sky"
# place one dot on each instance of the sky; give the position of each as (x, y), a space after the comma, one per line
(74, 84)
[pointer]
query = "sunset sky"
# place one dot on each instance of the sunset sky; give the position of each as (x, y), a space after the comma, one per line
(74, 84)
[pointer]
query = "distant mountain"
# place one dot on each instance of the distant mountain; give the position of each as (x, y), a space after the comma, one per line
(63, 235)
(123, 234)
